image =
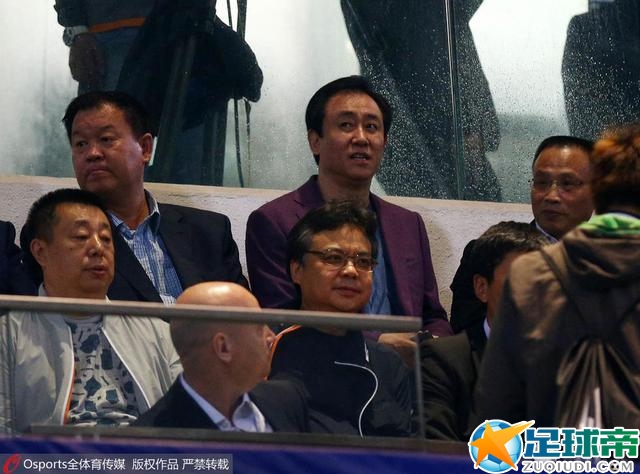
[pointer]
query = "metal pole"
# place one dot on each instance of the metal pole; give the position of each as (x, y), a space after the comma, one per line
(458, 138)
(419, 395)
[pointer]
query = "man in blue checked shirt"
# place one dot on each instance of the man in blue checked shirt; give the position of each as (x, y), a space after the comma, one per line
(160, 248)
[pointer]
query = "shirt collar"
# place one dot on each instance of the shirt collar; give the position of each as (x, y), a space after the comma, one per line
(487, 328)
(551, 238)
(153, 218)
(245, 409)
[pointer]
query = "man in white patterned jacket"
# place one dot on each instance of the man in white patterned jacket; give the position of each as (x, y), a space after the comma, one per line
(78, 369)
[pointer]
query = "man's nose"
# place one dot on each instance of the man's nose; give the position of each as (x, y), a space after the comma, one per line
(553, 193)
(349, 269)
(96, 245)
(94, 151)
(360, 135)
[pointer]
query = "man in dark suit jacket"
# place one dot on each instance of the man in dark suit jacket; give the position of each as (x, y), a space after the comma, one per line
(14, 279)
(224, 365)
(160, 249)
(347, 125)
(450, 365)
(560, 200)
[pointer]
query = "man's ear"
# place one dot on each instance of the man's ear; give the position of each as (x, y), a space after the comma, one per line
(314, 141)
(146, 143)
(38, 249)
(222, 346)
(481, 287)
(295, 268)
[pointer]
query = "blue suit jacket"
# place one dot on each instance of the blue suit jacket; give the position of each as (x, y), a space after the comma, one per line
(199, 243)
(14, 279)
(406, 246)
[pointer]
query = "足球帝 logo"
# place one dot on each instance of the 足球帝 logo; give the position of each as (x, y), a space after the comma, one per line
(495, 446)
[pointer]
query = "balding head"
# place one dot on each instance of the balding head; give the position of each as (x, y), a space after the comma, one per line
(237, 352)
(218, 293)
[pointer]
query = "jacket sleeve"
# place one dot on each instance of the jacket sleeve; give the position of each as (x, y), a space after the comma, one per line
(265, 245)
(434, 317)
(71, 12)
(466, 308)
(500, 391)
(439, 394)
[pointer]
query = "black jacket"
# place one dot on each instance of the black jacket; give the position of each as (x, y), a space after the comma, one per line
(449, 372)
(348, 380)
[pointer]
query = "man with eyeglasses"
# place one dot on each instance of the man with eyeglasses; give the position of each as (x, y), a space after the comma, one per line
(560, 201)
(347, 127)
(560, 192)
(354, 385)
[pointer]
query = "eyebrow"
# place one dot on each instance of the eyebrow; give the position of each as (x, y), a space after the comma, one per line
(104, 128)
(349, 113)
(87, 223)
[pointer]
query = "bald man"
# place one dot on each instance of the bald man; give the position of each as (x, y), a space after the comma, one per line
(225, 364)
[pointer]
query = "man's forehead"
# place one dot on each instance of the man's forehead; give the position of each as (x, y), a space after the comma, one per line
(562, 159)
(344, 234)
(80, 214)
(352, 102)
(103, 116)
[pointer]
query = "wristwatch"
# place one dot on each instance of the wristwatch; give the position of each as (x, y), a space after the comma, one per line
(70, 33)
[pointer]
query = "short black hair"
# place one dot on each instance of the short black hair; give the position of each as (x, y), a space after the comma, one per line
(331, 216)
(490, 249)
(42, 218)
(562, 141)
(135, 113)
(615, 164)
(314, 115)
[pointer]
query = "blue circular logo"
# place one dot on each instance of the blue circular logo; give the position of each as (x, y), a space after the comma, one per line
(490, 463)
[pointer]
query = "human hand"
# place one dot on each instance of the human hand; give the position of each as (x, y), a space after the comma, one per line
(403, 343)
(86, 60)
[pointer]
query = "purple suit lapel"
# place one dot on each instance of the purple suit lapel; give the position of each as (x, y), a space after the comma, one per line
(394, 241)
(307, 197)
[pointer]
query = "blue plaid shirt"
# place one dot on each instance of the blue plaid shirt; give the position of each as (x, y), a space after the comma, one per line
(147, 245)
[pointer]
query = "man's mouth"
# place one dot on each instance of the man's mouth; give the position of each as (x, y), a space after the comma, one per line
(550, 213)
(96, 171)
(347, 290)
(360, 156)
(99, 270)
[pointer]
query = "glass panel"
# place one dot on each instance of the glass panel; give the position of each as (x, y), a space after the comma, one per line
(521, 45)
(515, 83)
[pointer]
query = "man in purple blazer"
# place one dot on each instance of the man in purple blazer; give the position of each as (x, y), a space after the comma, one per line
(347, 125)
